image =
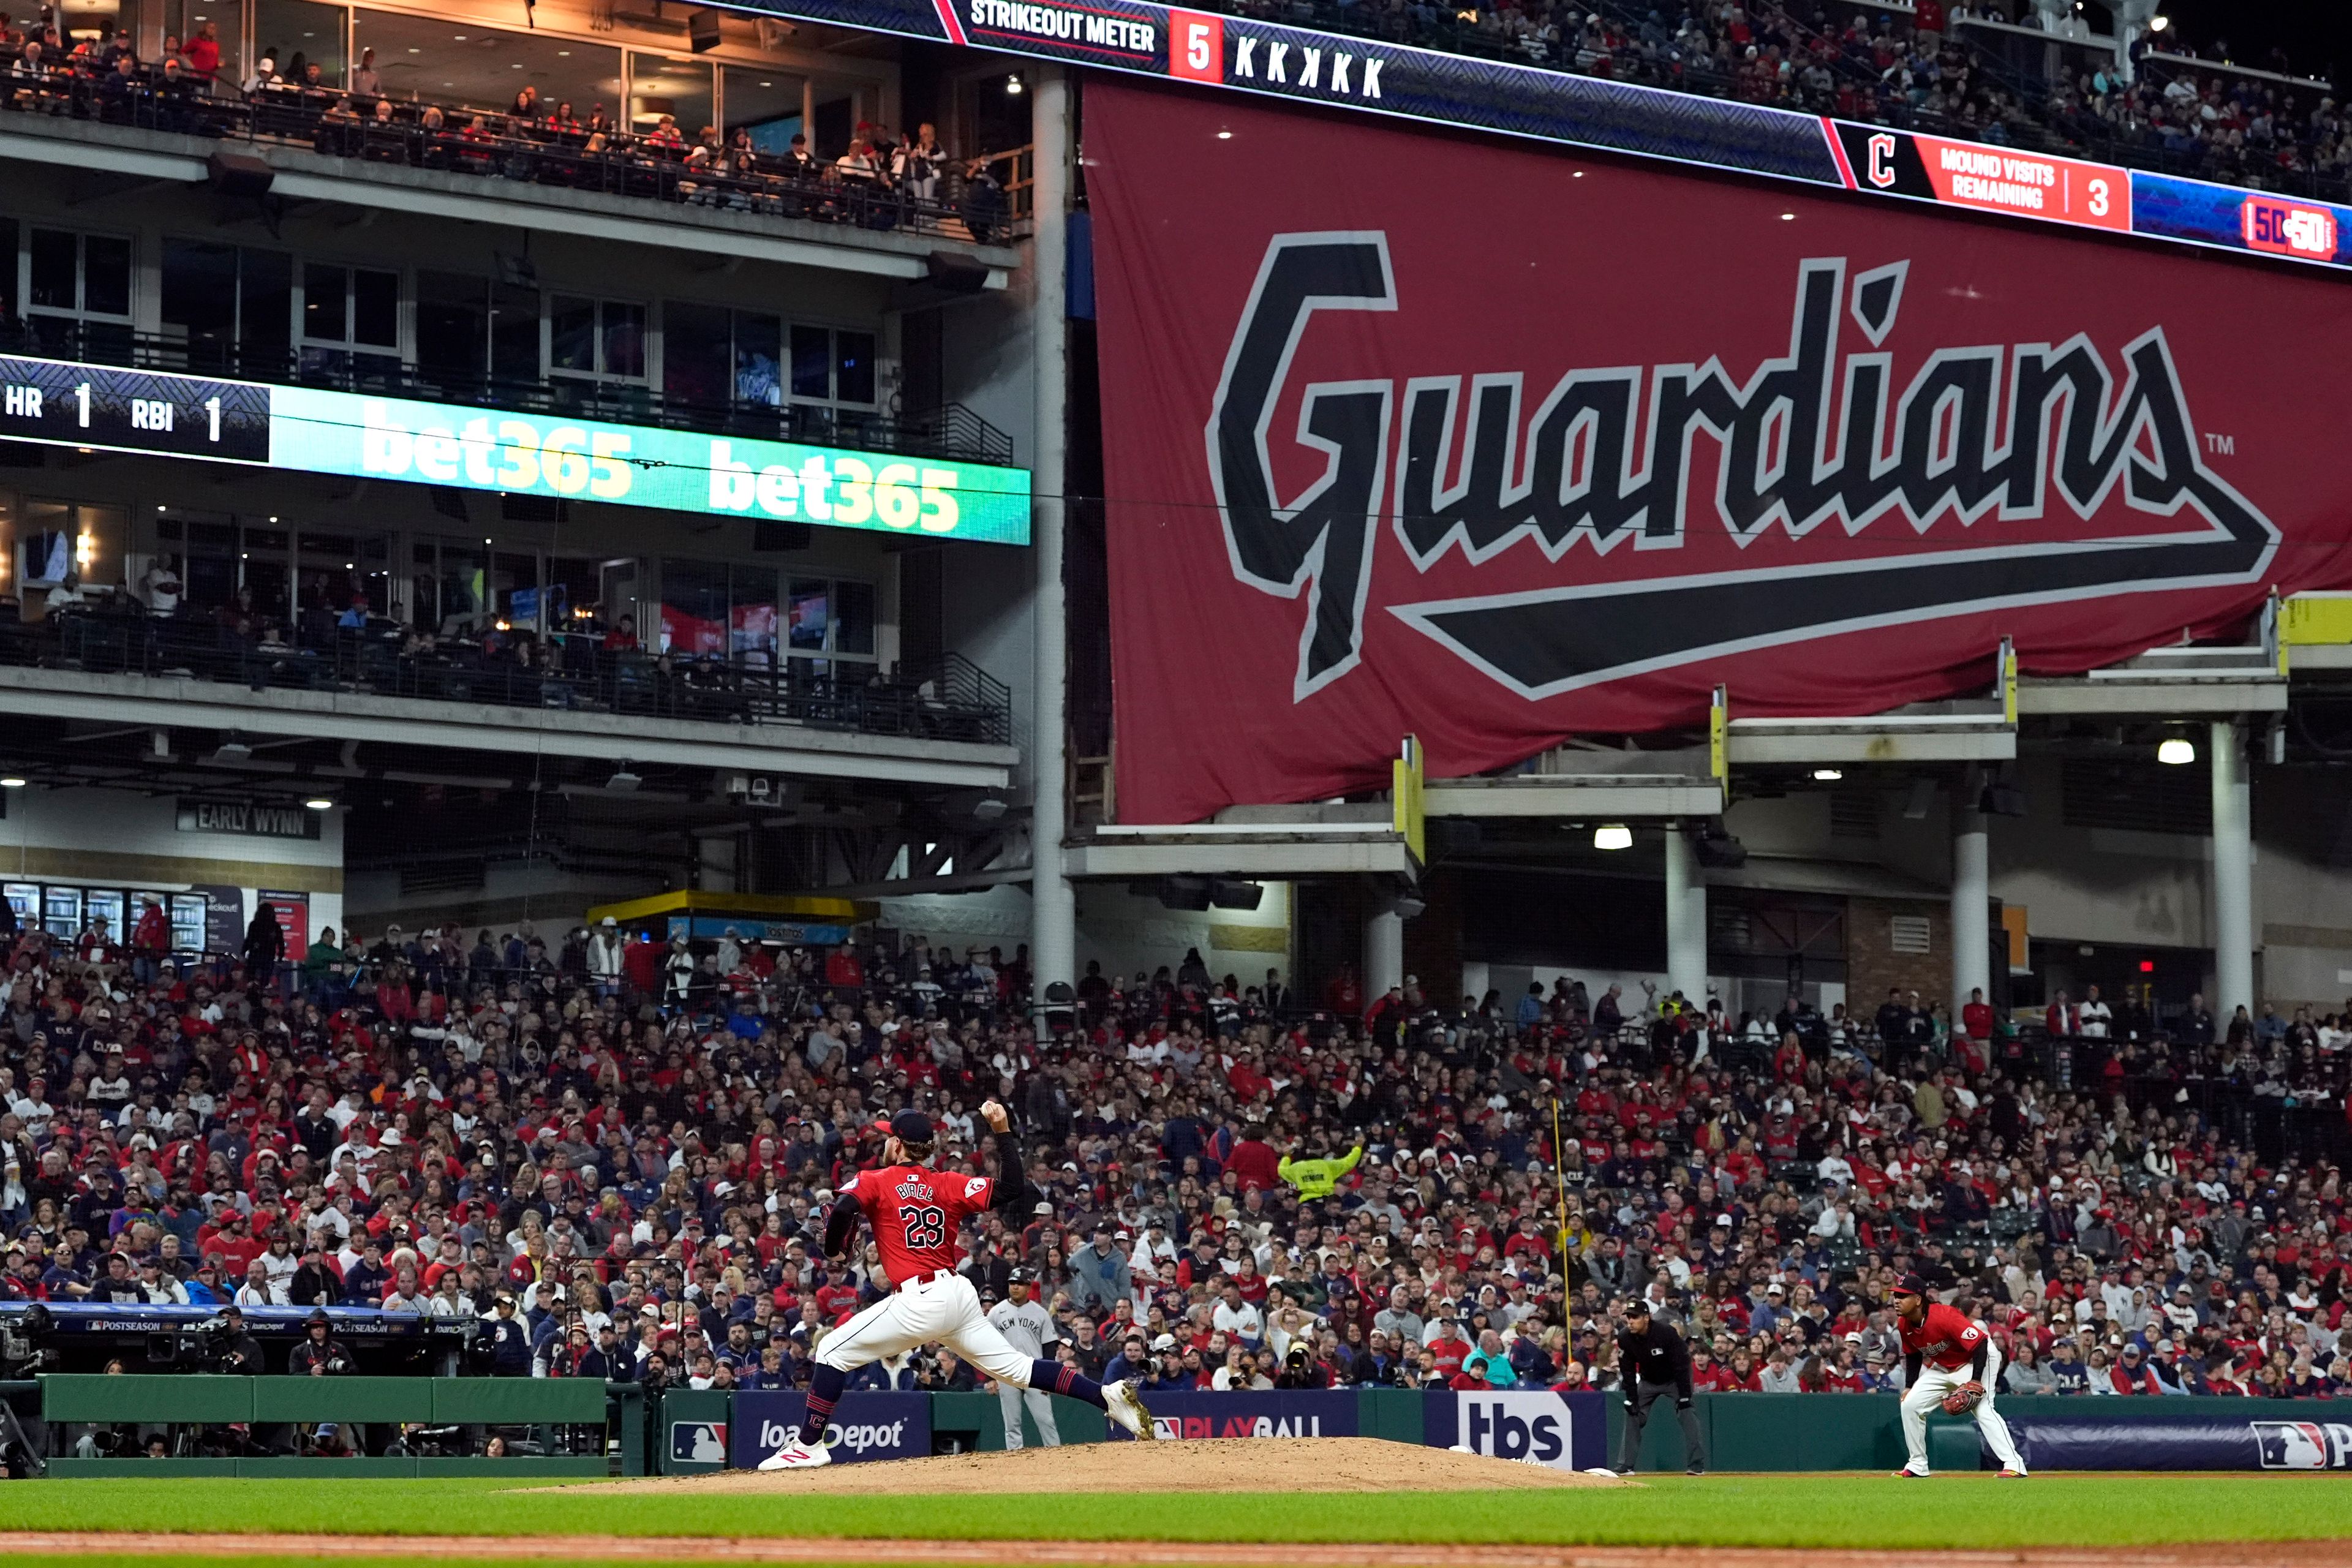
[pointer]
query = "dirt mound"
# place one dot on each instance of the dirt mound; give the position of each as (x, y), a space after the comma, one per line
(1199, 1465)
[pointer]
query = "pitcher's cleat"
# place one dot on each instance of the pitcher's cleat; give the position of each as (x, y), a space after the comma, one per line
(797, 1455)
(1125, 1407)
(2008, 1475)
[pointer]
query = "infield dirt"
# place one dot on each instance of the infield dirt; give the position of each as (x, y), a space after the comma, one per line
(1209, 1465)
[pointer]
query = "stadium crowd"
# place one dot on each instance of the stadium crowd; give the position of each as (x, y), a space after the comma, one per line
(616, 1150)
(878, 181)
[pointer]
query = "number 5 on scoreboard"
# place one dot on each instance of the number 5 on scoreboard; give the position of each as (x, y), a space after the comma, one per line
(1196, 47)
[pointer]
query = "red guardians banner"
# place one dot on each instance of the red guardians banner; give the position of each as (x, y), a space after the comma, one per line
(1429, 435)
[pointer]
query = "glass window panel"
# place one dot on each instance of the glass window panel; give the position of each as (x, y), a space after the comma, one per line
(659, 86)
(187, 923)
(301, 35)
(811, 363)
(853, 604)
(572, 343)
(694, 353)
(422, 57)
(453, 325)
(464, 586)
(854, 367)
(325, 315)
(514, 333)
(810, 611)
(694, 607)
(751, 613)
(61, 912)
(765, 102)
(104, 905)
(200, 289)
(24, 897)
(54, 267)
(758, 359)
(105, 275)
(375, 309)
(265, 316)
(625, 340)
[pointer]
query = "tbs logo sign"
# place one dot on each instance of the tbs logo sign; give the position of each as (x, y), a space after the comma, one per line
(2302, 1444)
(1531, 1429)
(2288, 228)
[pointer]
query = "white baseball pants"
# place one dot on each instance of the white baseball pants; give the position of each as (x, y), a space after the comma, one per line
(1928, 1393)
(934, 1312)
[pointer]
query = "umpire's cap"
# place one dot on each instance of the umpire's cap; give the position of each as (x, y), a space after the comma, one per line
(1637, 1308)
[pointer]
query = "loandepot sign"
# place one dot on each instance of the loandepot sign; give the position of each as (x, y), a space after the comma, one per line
(321, 432)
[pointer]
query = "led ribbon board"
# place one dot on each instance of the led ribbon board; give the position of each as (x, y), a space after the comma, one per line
(60, 403)
(1371, 75)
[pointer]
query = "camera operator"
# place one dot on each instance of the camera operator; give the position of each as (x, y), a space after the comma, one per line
(236, 1352)
(320, 1354)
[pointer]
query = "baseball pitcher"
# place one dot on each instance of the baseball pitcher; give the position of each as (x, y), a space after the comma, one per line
(916, 1214)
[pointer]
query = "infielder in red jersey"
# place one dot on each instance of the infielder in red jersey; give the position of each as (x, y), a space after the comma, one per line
(1948, 1358)
(917, 1215)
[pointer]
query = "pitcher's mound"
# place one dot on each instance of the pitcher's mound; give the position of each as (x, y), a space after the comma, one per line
(1199, 1465)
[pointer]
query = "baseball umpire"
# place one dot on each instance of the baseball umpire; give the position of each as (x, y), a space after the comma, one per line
(1653, 1362)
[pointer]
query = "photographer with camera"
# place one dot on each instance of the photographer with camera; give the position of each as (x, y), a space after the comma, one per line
(236, 1352)
(320, 1354)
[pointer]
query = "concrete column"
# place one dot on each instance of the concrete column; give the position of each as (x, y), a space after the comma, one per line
(1686, 918)
(2233, 877)
(1972, 893)
(1053, 914)
(1383, 951)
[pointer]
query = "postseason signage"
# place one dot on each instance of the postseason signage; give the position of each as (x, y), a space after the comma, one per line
(321, 431)
(1303, 66)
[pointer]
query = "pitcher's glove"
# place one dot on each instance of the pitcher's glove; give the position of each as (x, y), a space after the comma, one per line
(1963, 1399)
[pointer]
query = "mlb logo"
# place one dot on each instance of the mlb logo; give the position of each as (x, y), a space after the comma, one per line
(2288, 228)
(2292, 1445)
(698, 1441)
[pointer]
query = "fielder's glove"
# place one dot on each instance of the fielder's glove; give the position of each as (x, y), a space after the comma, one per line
(1963, 1399)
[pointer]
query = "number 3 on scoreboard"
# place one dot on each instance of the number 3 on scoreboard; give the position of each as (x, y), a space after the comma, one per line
(926, 1226)
(2099, 202)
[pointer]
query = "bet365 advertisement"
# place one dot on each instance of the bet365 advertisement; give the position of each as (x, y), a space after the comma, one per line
(318, 431)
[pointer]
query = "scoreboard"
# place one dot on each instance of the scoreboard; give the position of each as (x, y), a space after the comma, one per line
(1370, 76)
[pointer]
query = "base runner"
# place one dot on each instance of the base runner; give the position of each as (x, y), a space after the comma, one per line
(1949, 1360)
(916, 1214)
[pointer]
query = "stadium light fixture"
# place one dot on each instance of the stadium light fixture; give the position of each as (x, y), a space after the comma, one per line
(2176, 751)
(1225, 135)
(320, 803)
(1612, 836)
(12, 781)
(1013, 84)
(1828, 775)
(2158, 23)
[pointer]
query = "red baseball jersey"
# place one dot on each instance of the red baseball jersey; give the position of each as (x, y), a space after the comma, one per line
(916, 1214)
(1944, 1338)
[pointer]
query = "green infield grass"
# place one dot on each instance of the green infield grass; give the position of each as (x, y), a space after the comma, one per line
(1812, 1509)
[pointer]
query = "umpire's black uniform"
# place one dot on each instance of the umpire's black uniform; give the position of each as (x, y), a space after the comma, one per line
(1653, 1362)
